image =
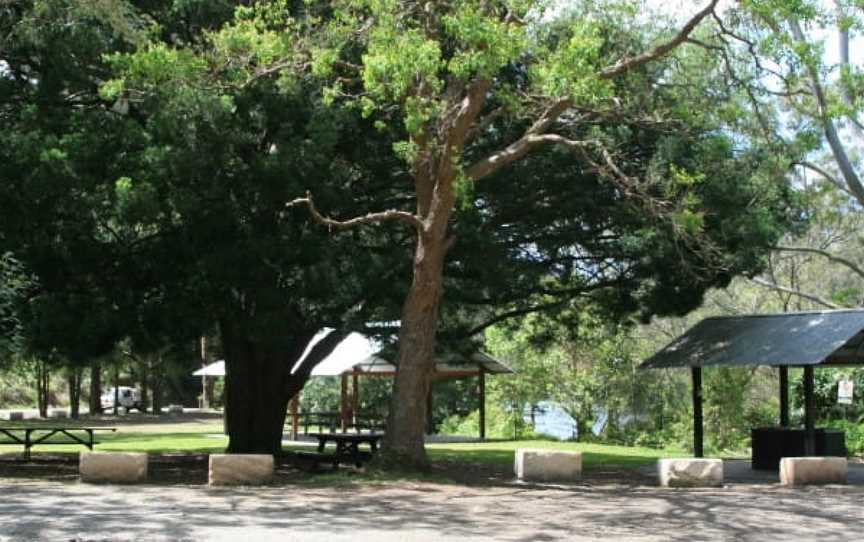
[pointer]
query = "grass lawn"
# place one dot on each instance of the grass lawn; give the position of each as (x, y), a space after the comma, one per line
(203, 434)
(501, 452)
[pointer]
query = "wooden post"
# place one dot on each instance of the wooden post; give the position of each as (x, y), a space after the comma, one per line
(355, 400)
(809, 413)
(697, 411)
(481, 385)
(343, 410)
(295, 422)
(784, 396)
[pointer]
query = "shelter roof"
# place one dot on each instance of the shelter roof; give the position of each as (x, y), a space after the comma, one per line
(360, 354)
(792, 339)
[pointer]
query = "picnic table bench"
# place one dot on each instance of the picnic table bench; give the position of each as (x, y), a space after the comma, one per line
(347, 447)
(30, 436)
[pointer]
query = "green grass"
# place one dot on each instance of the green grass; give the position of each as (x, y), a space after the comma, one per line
(157, 435)
(501, 452)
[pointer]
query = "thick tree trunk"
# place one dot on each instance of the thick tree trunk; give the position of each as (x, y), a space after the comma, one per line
(403, 446)
(259, 383)
(95, 389)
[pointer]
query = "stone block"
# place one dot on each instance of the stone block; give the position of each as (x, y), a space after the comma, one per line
(690, 472)
(175, 409)
(538, 465)
(240, 469)
(58, 413)
(113, 467)
(799, 471)
(14, 416)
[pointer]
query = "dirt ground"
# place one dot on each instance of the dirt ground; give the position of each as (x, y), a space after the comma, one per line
(46, 502)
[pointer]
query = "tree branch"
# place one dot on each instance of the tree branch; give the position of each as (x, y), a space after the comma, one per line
(853, 182)
(810, 297)
(827, 176)
(392, 214)
(661, 50)
(824, 253)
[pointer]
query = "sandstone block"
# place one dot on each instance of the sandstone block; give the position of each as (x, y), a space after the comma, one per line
(538, 465)
(798, 471)
(113, 467)
(240, 469)
(690, 472)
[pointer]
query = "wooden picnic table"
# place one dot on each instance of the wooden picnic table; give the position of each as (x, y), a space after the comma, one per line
(30, 436)
(348, 445)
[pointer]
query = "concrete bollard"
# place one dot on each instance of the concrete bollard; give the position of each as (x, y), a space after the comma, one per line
(539, 465)
(690, 472)
(113, 467)
(240, 469)
(799, 471)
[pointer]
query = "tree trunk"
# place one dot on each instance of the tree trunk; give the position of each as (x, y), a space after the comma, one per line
(95, 389)
(156, 371)
(74, 381)
(403, 445)
(259, 383)
(145, 384)
(43, 384)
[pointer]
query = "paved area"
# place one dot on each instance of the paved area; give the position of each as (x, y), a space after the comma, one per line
(409, 511)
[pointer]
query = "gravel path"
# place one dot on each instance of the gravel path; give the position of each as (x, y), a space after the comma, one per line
(70, 511)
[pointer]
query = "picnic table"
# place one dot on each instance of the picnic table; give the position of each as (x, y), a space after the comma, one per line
(348, 446)
(30, 436)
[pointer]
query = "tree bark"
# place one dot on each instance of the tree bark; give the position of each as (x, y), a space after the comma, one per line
(95, 389)
(43, 383)
(74, 381)
(259, 384)
(403, 445)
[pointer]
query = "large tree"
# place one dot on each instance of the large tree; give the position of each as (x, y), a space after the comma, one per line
(441, 75)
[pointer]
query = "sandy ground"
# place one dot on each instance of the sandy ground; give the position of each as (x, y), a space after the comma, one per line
(754, 509)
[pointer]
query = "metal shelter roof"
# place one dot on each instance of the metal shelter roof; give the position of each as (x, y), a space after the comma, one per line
(360, 354)
(791, 339)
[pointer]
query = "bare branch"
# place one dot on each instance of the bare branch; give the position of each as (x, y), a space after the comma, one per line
(392, 214)
(827, 176)
(837, 148)
(824, 253)
(516, 150)
(810, 297)
(661, 50)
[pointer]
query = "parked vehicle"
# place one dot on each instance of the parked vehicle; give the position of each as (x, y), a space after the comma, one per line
(128, 397)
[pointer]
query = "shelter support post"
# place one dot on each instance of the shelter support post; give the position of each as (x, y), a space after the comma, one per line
(809, 413)
(355, 399)
(343, 404)
(784, 396)
(697, 412)
(481, 390)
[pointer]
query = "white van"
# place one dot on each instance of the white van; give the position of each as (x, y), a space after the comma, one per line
(128, 397)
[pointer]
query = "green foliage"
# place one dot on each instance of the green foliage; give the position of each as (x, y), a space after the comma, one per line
(501, 423)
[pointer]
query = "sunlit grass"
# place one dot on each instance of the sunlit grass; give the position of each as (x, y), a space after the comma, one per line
(203, 435)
